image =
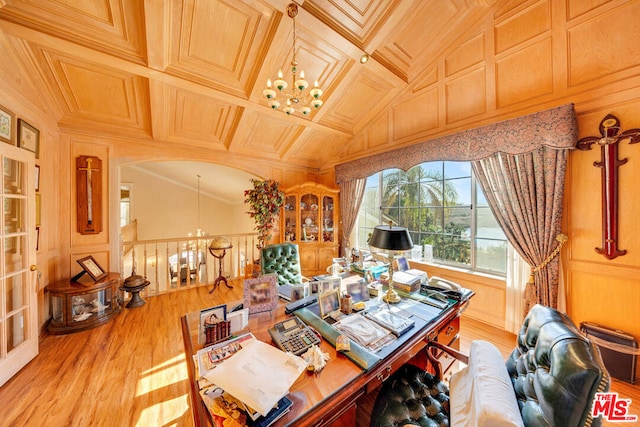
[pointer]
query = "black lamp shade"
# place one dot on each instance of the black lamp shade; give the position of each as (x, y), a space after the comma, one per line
(391, 238)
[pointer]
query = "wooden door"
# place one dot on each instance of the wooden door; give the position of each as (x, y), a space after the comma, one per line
(18, 302)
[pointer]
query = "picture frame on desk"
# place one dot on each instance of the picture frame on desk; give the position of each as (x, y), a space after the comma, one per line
(92, 268)
(314, 287)
(401, 263)
(358, 291)
(329, 285)
(261, 294)
(299, 291)
(328, 303)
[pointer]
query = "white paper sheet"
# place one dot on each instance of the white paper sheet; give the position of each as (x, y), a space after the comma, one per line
(259, 375)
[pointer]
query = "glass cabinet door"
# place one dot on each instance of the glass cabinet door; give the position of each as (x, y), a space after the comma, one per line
(290, 218)
(327, 219)
(309, 217)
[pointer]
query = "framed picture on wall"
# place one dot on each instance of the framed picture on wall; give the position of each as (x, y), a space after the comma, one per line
(38, 207)
(7, 126)
(28, 137)
(37, 178)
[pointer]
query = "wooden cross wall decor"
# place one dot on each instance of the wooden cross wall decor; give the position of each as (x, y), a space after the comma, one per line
(89, 194)
(609, 163)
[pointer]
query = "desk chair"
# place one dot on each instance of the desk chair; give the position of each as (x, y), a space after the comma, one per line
(283, 259)
(550, 379)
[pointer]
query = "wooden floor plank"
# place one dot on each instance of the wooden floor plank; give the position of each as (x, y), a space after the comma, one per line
(131, 371)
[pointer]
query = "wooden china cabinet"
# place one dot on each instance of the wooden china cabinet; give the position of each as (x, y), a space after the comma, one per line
(310, 217)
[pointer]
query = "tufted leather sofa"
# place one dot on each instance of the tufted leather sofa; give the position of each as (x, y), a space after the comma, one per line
(555, 372)
(284, 260)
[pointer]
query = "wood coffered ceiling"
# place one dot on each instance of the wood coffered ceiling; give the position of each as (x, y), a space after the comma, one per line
(192, 72)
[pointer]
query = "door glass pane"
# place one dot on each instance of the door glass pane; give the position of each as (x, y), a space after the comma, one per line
(15, 292)
(15, 249)
(14, 176)
(14, 209)
(15, 330)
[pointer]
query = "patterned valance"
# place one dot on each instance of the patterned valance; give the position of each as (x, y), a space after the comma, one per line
(556, 128)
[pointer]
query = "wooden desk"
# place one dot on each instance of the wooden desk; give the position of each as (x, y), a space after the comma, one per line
(331, 397)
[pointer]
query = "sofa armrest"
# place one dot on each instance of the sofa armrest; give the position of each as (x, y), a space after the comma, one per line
(451, 351)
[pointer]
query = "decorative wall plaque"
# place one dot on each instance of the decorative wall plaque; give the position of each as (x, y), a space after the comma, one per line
(608, 140)
(89, 194)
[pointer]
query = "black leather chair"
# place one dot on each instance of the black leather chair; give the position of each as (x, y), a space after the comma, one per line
(282, 259)
(555, 372)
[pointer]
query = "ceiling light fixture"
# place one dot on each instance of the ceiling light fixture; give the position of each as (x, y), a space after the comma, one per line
(296, 97)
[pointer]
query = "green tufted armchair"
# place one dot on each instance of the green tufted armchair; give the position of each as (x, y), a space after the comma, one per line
(282, 259)
(550, 380)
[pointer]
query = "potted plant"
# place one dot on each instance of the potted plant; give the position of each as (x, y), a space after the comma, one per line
(265, 200)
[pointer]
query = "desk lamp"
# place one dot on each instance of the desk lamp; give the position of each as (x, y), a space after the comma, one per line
(391, 239)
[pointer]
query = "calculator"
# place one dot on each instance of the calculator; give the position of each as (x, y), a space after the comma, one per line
(293, 335)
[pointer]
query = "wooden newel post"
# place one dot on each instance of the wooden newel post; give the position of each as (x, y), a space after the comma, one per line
(609, 163)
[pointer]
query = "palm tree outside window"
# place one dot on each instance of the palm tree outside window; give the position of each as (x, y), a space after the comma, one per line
(441, 205)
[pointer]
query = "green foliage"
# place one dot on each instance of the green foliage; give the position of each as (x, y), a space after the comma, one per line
(405, 195)
(265, 201)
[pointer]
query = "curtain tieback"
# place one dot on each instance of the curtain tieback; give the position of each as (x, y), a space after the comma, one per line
(562, 239)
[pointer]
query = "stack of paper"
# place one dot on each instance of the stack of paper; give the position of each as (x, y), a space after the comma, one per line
(395, 322)
(249, 375)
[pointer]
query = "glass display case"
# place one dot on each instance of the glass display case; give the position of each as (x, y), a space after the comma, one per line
(309, 218)
(77, 306)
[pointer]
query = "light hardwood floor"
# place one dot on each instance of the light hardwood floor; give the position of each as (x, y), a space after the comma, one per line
(131, 371)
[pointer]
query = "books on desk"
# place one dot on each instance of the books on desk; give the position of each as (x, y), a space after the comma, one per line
(402, 281)
(227, 411)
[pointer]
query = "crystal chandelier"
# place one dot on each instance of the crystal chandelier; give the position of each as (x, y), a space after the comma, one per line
(295, 97)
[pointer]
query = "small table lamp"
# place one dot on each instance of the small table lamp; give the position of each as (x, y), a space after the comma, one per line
(218, 249)
(391, 239)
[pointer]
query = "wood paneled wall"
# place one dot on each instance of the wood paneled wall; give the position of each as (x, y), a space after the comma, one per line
(522, 56)
(527, 56)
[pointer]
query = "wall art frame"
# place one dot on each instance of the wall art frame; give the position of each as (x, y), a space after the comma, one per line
(37, 178)
(28, 137)
(7, 126)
